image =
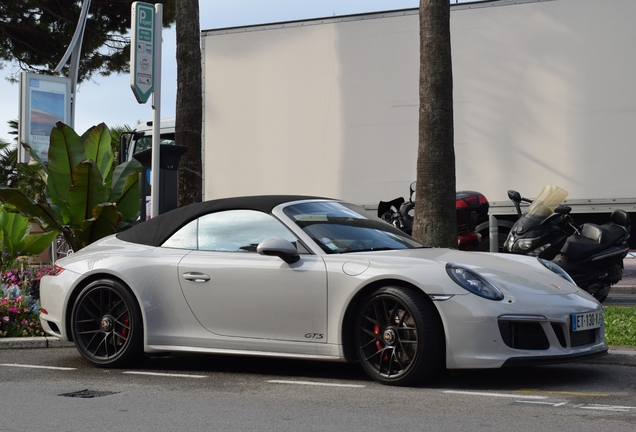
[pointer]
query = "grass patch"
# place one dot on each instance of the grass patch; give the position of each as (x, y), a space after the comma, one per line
(620, 325)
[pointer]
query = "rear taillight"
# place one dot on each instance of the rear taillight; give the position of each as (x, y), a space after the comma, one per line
(56, 271)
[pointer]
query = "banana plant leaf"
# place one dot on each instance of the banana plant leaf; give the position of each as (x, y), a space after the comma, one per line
(104, 222)
(66, 150)
(125, 189)
(87, 192)
(42, 214)
(15, 239)
(98, 149)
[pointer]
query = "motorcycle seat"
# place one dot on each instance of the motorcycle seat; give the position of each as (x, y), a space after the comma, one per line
(593, 239)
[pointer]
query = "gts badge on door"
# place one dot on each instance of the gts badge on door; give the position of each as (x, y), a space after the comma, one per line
(314, 336)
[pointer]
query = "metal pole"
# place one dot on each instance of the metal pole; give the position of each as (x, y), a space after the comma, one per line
(73, 51)
(156, 106)
(493, 230)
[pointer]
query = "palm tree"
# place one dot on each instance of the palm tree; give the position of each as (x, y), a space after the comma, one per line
(435, 216)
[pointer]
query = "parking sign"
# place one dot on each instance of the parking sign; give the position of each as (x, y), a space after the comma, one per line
(142, 47)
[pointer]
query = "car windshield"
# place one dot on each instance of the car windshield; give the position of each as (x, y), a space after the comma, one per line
(341, 227)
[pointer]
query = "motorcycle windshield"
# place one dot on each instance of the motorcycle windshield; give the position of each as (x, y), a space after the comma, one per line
(547, 200)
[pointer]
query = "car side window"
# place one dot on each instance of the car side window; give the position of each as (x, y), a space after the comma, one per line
(185, 238)
(229, 231)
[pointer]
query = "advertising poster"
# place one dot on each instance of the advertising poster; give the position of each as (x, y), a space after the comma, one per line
(45, 100)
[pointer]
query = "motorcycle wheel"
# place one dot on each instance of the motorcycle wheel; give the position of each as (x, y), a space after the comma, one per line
(602, 293)
(503, 229)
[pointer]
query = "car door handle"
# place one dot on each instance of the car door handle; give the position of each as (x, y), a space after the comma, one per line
(196, 277)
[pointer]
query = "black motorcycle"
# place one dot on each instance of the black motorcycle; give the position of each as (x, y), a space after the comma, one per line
(591, 254)
(472, 218)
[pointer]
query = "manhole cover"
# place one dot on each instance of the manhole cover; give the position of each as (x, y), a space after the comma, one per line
(87, 394)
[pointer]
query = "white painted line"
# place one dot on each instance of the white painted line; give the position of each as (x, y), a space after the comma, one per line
(165, 374)
(313, 383)
(505, 395)
(37, 367)
(615, 406)
(609, 407)
(542, 403)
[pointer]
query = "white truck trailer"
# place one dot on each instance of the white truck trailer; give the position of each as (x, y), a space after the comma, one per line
(544, 93)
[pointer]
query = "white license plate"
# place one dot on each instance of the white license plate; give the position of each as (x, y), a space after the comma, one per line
(587, 321)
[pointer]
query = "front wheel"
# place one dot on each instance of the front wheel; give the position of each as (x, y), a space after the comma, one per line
(398, 337)
(106, 325)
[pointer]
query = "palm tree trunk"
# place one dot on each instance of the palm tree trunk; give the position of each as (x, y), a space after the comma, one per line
(435, 217)
(189, 101)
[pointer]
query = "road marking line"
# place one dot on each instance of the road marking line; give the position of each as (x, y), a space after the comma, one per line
(543, 403)
(37, 367)
(165, 374)
(506, 395)
(567, 393)
(313, 383)
(594, 406)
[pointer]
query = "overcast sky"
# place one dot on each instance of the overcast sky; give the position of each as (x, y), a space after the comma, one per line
(110, 99)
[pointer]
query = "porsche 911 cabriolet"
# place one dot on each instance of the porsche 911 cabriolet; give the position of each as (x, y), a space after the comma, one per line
(313, 278)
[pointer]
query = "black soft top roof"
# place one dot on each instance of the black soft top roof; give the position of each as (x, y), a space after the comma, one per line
(157, 230)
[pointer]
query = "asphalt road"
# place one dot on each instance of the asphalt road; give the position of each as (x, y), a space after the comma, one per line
(54, 389)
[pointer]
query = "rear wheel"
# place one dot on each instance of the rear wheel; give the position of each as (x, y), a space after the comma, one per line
(398, 337)
(106, 325)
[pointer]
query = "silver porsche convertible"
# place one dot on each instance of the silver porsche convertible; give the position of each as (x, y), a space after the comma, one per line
(312, 278)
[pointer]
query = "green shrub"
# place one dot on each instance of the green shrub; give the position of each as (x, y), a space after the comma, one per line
(620, 325)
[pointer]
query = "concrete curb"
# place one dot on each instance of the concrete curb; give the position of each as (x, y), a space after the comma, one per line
(622, 290)
(33, 342)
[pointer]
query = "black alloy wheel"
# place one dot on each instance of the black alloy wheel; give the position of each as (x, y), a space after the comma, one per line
(106, 325)
(398, 336)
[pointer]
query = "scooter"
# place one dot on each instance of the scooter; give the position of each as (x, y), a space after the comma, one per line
(591, 254)
(472, 211)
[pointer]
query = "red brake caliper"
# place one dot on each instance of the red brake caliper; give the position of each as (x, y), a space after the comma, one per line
(378, 344)
(125, 330)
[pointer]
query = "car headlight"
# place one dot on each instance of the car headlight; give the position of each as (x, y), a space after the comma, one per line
(557, 269)
(471, 281)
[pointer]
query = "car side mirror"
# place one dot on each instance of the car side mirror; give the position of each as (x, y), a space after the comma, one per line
(276, 246)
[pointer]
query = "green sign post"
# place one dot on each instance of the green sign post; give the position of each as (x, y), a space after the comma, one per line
(142, 51)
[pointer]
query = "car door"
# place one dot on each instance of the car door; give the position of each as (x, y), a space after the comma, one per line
(233, 291)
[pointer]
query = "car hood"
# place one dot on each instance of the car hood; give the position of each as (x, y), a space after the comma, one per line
(516, 274)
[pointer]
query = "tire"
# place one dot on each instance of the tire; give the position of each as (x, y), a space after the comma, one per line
(106, 325)
(503, 229)
(398, 337)
(602, 293)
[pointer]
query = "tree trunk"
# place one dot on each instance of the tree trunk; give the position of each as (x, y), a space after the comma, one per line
(435, 216)
(189, 101)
